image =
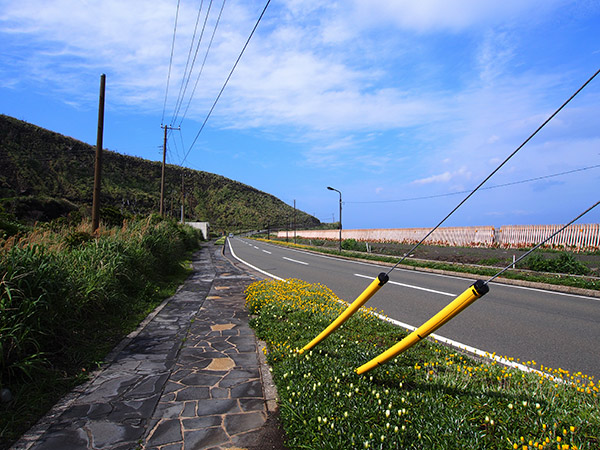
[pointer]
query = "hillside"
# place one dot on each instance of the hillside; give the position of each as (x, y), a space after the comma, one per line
(44, 175)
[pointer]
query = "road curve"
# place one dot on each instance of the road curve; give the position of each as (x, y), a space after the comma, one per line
(553, 329)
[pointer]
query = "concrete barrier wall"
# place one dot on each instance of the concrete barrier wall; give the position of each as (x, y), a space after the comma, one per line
(204, 227)
(583, 237)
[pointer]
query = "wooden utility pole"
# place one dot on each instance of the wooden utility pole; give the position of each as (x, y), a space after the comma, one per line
(182, 199)
(98, 161)
(162, 176)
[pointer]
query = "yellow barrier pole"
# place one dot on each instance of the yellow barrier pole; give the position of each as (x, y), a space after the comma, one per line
(381, 279)
(477, 290)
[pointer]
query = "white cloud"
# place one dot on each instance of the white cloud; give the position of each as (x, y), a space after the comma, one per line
(445, 177)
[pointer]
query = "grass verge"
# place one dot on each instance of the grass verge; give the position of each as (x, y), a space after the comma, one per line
(514, 274)
(429, 397)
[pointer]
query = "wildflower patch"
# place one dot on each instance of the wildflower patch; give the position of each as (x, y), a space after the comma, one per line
(429, 397)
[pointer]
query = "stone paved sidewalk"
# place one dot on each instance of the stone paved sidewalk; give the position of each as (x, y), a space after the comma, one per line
(190, 379)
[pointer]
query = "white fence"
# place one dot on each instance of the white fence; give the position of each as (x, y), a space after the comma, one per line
(580, 237)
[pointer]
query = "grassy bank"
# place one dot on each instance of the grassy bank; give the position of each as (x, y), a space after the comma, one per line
(536, 274)
(428, 397)
(67, 297)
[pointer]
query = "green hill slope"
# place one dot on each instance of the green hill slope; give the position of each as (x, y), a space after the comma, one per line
(44, 175)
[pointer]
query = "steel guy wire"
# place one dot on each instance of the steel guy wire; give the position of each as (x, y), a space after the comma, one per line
(227, 80)
(203, 63)
(427, 197)
(162, 120)
(542, 243)
(496, 169)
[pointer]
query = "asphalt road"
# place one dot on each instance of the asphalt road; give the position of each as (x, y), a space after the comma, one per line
(553, 329)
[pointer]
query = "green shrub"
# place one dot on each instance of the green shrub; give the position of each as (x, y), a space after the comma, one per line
(565, 263)
(351, 244)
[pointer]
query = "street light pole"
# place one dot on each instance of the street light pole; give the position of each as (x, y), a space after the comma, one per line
(332, 189)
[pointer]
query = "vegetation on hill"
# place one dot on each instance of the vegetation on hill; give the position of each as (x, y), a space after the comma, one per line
(44, 175)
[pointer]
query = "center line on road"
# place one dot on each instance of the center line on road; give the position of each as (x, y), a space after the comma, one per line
(296, 261)
(411, 286)
(267, 252)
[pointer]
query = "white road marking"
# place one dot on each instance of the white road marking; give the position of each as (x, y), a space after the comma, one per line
(296, 261)
(250, 265)
(411, 286)
(268, 253)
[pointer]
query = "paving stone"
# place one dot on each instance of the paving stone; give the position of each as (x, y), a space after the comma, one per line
(190, 409)
(252, 404)
(167, 431)
(217, 406)
(220, 393)
(192, 393)
(106, 434)
(236, 373)
(201, 379)
(240, 423)
(198, 423)
(169, 410)
(248, 389)
(245, 359)
(202, 439)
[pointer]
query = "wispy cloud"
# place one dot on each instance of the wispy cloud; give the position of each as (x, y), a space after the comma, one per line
(445, 177)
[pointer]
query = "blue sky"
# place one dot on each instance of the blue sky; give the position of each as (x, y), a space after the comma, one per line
(385, 100)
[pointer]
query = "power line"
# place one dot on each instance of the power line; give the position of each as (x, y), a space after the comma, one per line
(189, 75)
(227, 80)
(203, 63)
(170, 63)
(497, 169)
(427, 197)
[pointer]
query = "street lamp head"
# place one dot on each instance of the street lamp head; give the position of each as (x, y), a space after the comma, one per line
(330, 188)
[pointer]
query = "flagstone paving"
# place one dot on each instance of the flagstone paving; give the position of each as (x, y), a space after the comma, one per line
(189, 379)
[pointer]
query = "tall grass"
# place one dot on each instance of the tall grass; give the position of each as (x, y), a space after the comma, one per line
(67, 296)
